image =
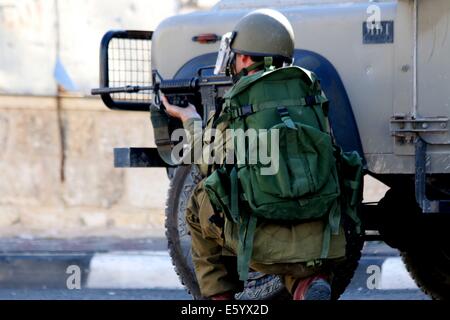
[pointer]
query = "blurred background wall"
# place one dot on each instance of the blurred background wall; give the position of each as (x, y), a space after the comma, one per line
(57, 177)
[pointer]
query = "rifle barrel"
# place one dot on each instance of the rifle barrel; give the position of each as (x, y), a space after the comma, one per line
(126, 89)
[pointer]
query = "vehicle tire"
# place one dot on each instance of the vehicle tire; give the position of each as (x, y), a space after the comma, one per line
(259, 286)
(421, 238)
(430, 269)
(182, 184)
(428, 260)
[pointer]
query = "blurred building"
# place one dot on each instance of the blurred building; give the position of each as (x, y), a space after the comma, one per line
(56, 141)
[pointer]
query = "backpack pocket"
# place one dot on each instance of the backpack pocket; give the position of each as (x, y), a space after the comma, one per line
(217, 186)
(305, 183)
(351, 175)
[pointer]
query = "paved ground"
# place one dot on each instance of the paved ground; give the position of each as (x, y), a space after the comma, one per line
(105, 269)
(93, 294)
(161, 294)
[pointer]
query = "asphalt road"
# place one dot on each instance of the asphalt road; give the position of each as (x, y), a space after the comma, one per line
(34, 271)
(154, 294)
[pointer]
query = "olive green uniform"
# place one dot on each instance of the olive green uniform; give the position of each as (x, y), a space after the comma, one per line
(290, 250)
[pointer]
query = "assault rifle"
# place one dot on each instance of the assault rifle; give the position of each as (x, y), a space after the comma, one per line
(127, 82)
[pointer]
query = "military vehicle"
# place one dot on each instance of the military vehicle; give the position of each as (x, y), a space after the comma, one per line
(384, 65)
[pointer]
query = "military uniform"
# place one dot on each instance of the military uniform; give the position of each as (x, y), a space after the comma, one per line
(290, 250)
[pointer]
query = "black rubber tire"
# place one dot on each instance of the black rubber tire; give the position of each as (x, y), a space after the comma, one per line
(259, 286)
(430, 269)
(181, 187)
(428, 259)
(422, 240)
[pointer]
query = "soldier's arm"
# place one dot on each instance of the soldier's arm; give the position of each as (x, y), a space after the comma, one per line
(192, 123)
(183, 114)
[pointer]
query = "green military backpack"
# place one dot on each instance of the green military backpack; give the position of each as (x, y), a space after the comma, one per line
(288, 104)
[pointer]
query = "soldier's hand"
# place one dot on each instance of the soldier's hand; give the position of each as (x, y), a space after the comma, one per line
(181, 113)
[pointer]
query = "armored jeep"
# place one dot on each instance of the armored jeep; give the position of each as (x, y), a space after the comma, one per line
(384, 67)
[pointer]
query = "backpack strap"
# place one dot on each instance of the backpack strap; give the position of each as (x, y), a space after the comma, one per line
(331, 228)
(247, 230)
(313, 100)
(234, 195)
(248, 109)
(247, 227)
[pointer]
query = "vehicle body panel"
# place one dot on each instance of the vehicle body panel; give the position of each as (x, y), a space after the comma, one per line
(378, 78)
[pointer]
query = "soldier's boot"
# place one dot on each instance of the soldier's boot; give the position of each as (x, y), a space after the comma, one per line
(313, 288)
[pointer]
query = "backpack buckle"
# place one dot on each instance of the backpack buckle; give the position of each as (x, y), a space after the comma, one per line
(310, 100)
(286, 118)
(245, 110)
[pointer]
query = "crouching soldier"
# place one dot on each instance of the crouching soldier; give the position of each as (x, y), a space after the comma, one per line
(243, 216)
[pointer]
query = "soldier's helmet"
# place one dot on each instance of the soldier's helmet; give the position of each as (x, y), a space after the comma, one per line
(261, 33)
(266, 33)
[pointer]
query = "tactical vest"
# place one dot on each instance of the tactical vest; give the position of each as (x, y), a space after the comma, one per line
(288, 104)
